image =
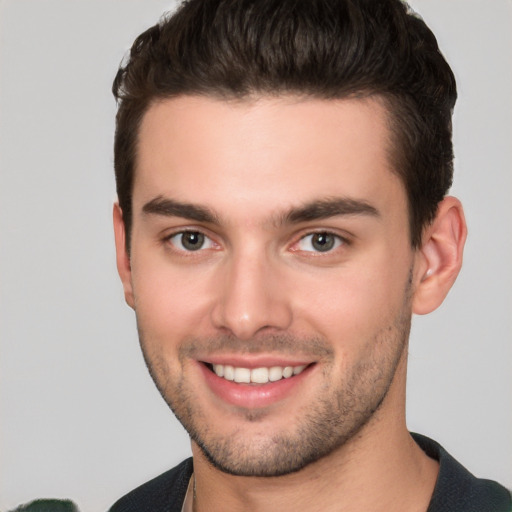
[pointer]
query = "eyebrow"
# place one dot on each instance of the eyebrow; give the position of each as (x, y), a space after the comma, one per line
(314, 210)
(329, 207)
(171, 208)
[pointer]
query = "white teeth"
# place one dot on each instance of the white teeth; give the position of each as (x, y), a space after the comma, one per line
(256, 375)
(259, 375)
(287, 371)
(242, 375)
(275, 373)
(298, 369)
(229, 372)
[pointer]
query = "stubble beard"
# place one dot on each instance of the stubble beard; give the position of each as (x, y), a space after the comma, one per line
(337, 416)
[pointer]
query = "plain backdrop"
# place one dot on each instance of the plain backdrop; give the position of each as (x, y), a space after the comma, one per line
(80, 417)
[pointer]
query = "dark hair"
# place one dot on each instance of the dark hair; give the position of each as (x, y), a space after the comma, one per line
(320, 48)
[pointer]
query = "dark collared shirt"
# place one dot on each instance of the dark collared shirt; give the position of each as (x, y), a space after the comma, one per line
(456, 490)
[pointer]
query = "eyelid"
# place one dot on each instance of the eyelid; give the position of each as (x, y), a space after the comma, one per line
(167, 239)
(342, 241)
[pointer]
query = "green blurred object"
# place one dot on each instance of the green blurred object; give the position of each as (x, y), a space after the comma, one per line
(47, 506)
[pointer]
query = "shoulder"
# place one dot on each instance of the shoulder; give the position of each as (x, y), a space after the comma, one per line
(457, 490)
(165, 492)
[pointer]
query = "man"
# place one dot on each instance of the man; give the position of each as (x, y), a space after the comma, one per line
(282, 170)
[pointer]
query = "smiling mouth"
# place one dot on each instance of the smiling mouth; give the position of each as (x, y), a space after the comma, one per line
(262, 375)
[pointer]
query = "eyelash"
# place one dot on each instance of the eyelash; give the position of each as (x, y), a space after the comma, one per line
(337, 241)
(168, 239)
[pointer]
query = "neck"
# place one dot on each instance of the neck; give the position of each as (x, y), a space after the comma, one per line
(380, 469)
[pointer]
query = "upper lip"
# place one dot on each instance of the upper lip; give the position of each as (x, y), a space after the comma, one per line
(258, 361)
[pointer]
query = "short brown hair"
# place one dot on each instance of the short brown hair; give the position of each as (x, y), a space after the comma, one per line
(326, 49)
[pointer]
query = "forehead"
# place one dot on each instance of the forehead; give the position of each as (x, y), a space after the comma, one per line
(264, 151)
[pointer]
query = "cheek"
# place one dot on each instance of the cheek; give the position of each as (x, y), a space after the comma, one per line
(354, 304)
(170, 302)
(345, 304)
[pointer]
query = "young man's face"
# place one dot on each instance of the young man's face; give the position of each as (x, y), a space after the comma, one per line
(270, 238)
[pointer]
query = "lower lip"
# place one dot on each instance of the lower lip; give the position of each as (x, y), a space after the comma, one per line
(253, 396)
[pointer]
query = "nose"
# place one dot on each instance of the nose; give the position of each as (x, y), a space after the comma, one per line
(252, 297)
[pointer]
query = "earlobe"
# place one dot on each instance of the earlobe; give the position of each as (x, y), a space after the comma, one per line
(440, 258)
(122, 257)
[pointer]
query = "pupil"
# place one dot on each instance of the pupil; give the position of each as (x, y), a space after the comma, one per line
(192, 240)
(323, 242)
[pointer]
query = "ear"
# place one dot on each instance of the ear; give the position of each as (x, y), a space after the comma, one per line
(439, 260)
(122, 257)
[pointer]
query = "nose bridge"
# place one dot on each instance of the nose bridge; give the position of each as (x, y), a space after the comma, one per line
(249, 298)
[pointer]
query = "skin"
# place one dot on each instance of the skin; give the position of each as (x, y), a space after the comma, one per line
(258, 291)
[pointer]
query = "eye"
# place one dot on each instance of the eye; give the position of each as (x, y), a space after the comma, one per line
(319, 242)
(190, 241)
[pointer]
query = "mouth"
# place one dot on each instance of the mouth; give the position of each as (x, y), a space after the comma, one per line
(255, 385)
(261, 375)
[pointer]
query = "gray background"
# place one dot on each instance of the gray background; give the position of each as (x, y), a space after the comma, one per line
(80, 417)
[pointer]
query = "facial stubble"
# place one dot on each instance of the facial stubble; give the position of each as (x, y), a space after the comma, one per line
(346, 404)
